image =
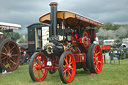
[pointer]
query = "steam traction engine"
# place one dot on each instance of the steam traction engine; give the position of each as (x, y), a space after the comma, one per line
(70, 47)
(9, 50)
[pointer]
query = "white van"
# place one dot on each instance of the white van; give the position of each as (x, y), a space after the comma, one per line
(108, 42)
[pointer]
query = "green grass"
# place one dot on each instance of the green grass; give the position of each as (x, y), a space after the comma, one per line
(110, 75)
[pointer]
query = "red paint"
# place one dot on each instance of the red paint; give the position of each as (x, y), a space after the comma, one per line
(105, 47)
(80, 40)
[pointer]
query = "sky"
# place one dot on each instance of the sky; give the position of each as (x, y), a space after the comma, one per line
(26, 12)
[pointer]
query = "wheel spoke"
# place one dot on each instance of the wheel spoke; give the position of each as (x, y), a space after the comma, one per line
(64, 74)
(34, 71)
(42, 71)
(3, 58)
(9, 66)
(12, 59)
(66, 60)
(12, 51)
(94, 61)
(97, 54)
(68, 74)
(14, 54)
(70, 63)
(42, 63)
(12, 48)
(64, 66)
(4, 53)
(39, 59)
(13, 62)
(7, 63)
(39, 73)
(95, 66)
(5, 49)
(34, 66)
(69, 60)
(97, 69)
(99, 62)
(65, 70)
(34, 62)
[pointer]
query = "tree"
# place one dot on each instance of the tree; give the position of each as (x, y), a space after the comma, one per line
(23, 38)
(16, 35)
(11, 35)
(110, 26)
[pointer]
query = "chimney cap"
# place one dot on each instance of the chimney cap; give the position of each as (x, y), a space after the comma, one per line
(53, 4)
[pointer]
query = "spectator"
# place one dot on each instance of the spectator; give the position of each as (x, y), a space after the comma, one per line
(24, 58)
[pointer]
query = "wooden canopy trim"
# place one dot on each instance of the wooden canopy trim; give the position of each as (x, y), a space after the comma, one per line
(69, 15)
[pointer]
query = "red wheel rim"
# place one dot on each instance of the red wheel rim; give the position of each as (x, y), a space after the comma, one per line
(69, 67)
(98, 59)
(9, 55)
(86, 39)
(38, 67)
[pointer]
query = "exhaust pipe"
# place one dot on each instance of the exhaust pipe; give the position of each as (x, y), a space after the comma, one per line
(53, 28)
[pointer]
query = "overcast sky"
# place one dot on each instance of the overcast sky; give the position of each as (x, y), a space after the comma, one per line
(26, 12)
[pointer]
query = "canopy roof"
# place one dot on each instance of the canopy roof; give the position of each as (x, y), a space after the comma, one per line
(71, 19)
(9, 25)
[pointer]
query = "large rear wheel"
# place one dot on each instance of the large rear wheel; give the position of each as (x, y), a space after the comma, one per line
(96, 59)
(37, 65)
(9, 55)
(67, 67)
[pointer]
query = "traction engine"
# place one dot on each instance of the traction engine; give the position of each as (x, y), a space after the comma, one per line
(70, 47)
(9, 50)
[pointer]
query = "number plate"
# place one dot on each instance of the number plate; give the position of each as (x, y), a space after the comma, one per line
(49, 63)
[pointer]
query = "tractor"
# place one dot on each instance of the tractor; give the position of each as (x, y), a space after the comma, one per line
(66, 46)
(9, 50)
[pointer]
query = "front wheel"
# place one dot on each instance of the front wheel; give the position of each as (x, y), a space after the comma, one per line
(37, 65)
(67, 67)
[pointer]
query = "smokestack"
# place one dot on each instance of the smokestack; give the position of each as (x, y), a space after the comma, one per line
(53, 28)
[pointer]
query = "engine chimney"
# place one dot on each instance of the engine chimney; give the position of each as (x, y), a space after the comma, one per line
(53, 28)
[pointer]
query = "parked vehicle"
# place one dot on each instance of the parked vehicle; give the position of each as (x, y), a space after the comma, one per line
(107, 45)
(125, 43)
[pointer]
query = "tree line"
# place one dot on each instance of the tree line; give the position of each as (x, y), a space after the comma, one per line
(113, 31)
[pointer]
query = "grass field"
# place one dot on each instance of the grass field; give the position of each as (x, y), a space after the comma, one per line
(110, 75)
